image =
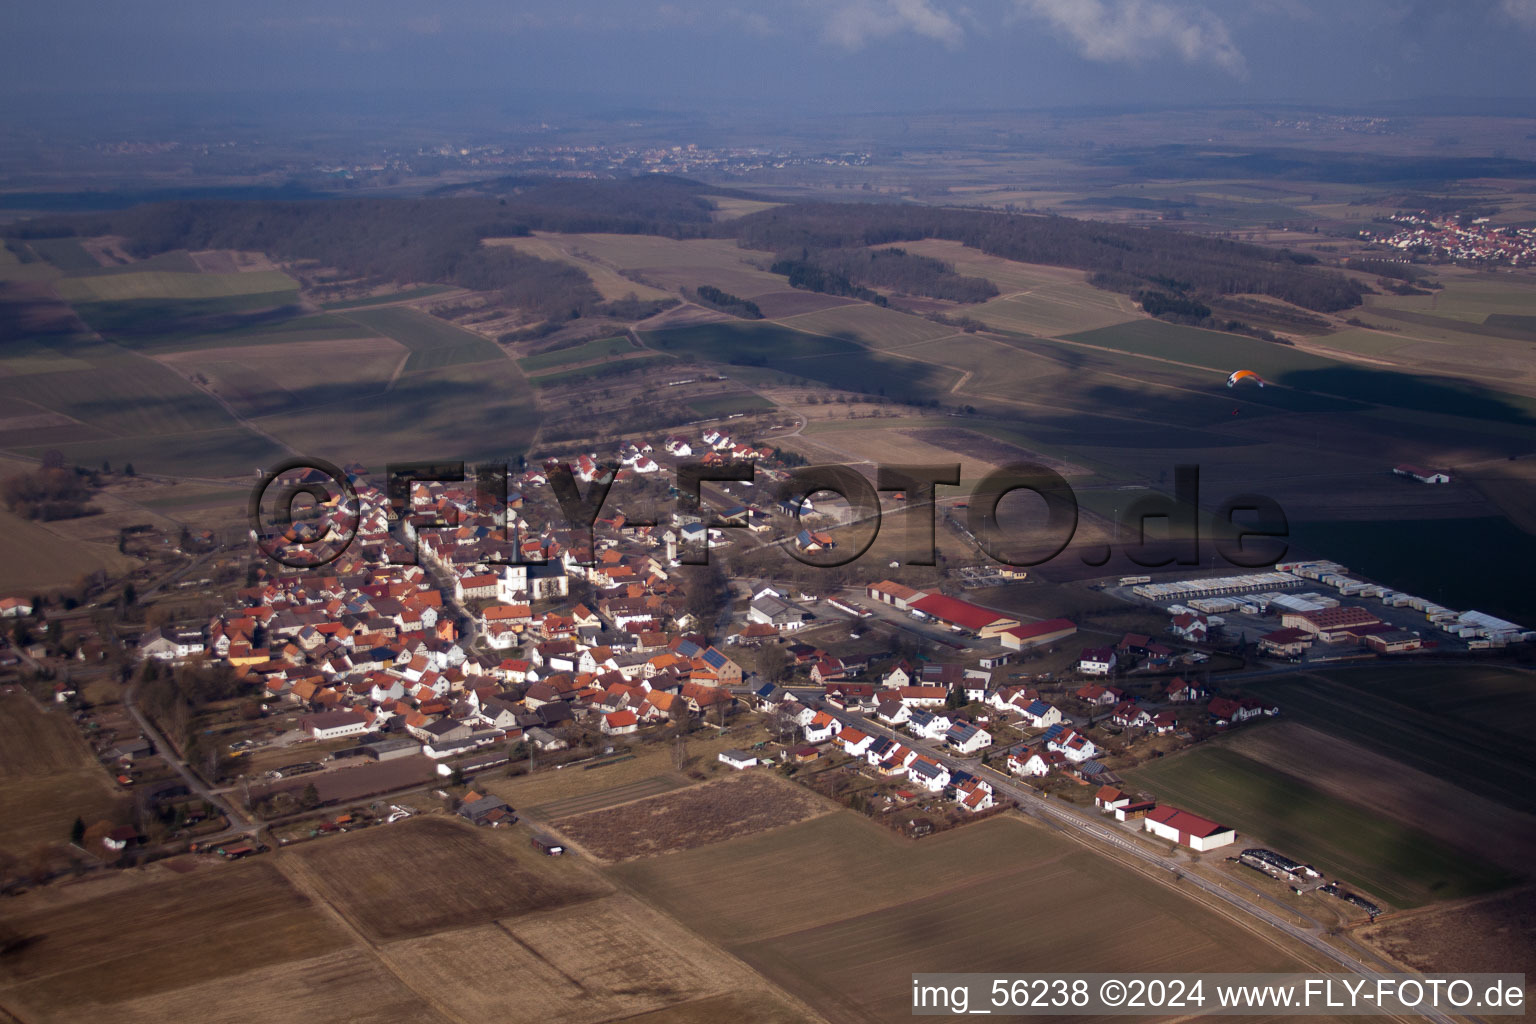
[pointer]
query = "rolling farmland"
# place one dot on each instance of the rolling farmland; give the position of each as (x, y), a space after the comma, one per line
(866, 906)
(872, 326)
(434, 344)
(610, 284)
(831, 361)
(455, 877)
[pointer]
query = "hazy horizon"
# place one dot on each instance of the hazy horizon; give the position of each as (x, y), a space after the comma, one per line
(789, 58)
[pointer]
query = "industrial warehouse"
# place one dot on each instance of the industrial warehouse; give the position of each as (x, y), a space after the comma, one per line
(1270, 609)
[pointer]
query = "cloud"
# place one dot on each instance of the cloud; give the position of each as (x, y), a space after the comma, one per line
(1134, 30)
(1522, 11)
(852, 23)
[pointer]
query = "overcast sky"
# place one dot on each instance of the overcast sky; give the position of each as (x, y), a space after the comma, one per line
(824, 55)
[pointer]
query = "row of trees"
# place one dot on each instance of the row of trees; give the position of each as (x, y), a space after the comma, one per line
(1125, 257)
(725, 302)
(900, 271)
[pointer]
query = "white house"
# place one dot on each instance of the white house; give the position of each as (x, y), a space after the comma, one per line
(737, 759)
(1072, 745)
(822, 728)
(967, 738)
(620, 723)
(1040, 715)
(928, 725)
(855, 742)
(1097, 661)
(928, 773)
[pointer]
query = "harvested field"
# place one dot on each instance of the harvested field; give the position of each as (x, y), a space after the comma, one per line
(989, 450)
(357, 988)
(874, 326)
(421, 875)
(1370, 714)
(343, 785)
(264, 379)
(610, 284)
(603, 960)
(1351, 772)
(65, 253)
(778, 305)
(698, 816)
(866, 907)
(1497, 934)
(48, 776)
(206, 926)
(38, 559)
(654, 786)
(648, 762)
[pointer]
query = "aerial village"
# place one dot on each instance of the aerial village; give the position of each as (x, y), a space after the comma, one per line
(465, 637)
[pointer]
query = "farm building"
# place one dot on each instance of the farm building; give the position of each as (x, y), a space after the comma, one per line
(1422, 475)
(1037, 633)
(548, 846)
(962, 615)
(1330, 625)
(487, 810)
(1187, 829)
(891, 593)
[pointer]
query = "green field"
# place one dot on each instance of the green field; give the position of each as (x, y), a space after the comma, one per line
(422, 292)
(729, 405)
(271, 331)
(176, 260)
(165, 284)
(1471, 297)
(1512, 322)
(434, 344)
(612, 368)
(121, 393)
(1312, 377)
(156, 324)
(1400, 864)
(601, 348)
(13, 269)
(65, 253)
(831, 361)
(1384, 712)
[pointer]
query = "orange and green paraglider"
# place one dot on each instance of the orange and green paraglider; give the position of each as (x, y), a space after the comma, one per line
(1241, 375)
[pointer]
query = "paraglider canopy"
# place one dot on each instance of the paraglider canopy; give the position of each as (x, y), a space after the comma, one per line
(1241, 375)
